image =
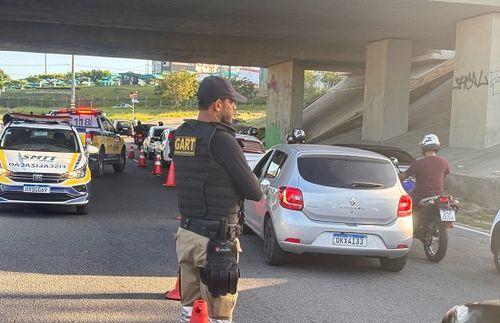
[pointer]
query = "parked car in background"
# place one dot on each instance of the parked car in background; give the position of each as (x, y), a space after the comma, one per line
(332, 200)
(163, 146)
(252, 147)
(495, 241)
(151, 140)
(123, 106)
(124, 126)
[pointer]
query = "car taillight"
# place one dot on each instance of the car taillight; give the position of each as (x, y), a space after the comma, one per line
(404, 206)
(444, 199)
(291, 198)
(170, 135)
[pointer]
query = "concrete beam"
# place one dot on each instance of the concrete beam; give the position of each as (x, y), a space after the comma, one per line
(387, 89)
(228, 50)
(475, 113)
(284, 100)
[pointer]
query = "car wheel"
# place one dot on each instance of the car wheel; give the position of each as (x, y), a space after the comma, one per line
(99, 164)
(394, 265)
(273, 254)
(82, 209)
(120, 166)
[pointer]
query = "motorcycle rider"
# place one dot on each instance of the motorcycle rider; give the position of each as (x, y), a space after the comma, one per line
(296, 136)
(429, 171)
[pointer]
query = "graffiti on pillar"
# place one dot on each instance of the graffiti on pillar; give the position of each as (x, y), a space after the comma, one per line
(495, 82)
(273, 84)
(471, 80)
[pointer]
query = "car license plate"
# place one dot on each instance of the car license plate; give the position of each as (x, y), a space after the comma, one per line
(447, 215)
(36, 189)
(350, 240)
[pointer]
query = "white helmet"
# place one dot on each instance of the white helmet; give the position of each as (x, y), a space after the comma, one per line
(430, 142)
(296, 136)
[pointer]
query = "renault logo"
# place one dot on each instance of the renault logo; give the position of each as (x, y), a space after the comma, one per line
(37, 177)
(353, 201)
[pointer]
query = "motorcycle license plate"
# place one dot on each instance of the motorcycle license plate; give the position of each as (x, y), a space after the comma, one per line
(349, 240)
(447, 215)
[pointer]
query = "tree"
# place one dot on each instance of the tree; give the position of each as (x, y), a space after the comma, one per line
(96, 75)
(4, 77)
(244, 86)
(329, 79)
(177, 87)
(311, 88)
(15, 84)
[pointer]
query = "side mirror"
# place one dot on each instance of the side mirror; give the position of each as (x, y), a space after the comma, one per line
(91, 150)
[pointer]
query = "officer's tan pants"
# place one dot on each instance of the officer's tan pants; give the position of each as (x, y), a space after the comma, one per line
(192, 256)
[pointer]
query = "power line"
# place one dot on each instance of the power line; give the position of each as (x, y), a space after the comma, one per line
(31, 65)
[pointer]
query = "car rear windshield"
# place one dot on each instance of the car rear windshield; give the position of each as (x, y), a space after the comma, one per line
(157, 133)
(33, 139)
(251, 147)
(347, 172)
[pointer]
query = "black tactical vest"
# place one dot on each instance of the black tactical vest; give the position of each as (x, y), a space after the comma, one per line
(204, 188)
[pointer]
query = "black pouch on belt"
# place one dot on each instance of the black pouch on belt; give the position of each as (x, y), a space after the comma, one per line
(221, 272)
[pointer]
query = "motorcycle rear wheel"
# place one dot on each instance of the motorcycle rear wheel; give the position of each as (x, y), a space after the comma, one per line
(435, 241)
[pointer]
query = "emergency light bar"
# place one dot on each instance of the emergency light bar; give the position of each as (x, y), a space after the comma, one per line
(80, 110)
(40, 118)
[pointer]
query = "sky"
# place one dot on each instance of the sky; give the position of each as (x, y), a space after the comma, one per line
(21, 64)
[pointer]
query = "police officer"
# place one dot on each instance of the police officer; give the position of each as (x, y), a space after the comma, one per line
(213, 179)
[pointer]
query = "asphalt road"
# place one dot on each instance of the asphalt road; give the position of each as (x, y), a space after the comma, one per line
(114, 265)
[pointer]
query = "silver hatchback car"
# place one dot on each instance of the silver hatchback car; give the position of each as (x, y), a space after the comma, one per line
(332, 200)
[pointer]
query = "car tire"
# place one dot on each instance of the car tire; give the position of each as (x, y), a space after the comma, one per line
(393, 265)
(99, 164)
(82, 209)
(273, 254)
(119, 167)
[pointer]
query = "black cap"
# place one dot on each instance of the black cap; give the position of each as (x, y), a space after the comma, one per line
(215, 87)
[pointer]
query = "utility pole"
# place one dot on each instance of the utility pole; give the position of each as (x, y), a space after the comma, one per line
(73, 82)
(45, 63)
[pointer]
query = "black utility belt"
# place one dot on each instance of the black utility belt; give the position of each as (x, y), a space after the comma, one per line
(211, 229)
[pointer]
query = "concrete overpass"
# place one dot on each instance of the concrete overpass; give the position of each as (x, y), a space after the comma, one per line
(289, 36)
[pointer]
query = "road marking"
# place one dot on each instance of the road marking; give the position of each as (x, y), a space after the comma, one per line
(472, 230)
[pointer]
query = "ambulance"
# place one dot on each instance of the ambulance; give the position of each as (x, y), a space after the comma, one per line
(43, 161)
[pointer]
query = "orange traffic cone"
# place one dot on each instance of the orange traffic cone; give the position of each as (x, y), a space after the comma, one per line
(157, 166)
(131, 153)
(170, 178)
(200, 312)
(142, 159)
(174, 294)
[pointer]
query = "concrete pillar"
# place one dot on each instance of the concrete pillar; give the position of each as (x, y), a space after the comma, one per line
(285, 96)
(475, 112)
(387, 89)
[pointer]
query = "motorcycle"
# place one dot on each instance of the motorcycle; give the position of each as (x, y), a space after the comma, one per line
(432, 219)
